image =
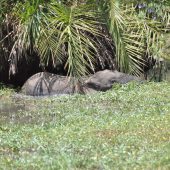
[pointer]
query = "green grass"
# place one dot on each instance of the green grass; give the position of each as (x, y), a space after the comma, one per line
(127, 127)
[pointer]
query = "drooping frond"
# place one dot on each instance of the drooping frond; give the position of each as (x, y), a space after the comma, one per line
(72, 29)
(137, 35)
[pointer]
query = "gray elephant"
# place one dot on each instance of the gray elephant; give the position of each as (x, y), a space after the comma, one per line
(44, 83)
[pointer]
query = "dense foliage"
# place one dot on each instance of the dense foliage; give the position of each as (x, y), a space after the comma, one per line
(84, 35)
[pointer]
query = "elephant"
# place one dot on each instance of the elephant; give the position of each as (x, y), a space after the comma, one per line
(46, 84)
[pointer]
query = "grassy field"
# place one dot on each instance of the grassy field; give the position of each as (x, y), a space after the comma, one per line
(127, 127)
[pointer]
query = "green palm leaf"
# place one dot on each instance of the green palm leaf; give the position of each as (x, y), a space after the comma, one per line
(135, 35)
(73, 29)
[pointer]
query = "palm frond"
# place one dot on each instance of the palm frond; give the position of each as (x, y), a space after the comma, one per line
(74, 28)
(135, 35)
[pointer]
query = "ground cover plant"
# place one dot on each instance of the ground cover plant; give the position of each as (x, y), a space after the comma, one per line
(127, 127)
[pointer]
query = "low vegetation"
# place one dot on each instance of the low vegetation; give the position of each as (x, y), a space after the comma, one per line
(127, 127)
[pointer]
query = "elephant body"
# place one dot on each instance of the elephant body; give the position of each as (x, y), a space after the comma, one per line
(44, 83)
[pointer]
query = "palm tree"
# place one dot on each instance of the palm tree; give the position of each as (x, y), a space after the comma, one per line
(6, 32)
(77, 31)
(137, 33)
(69, 34)
(84, 34)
